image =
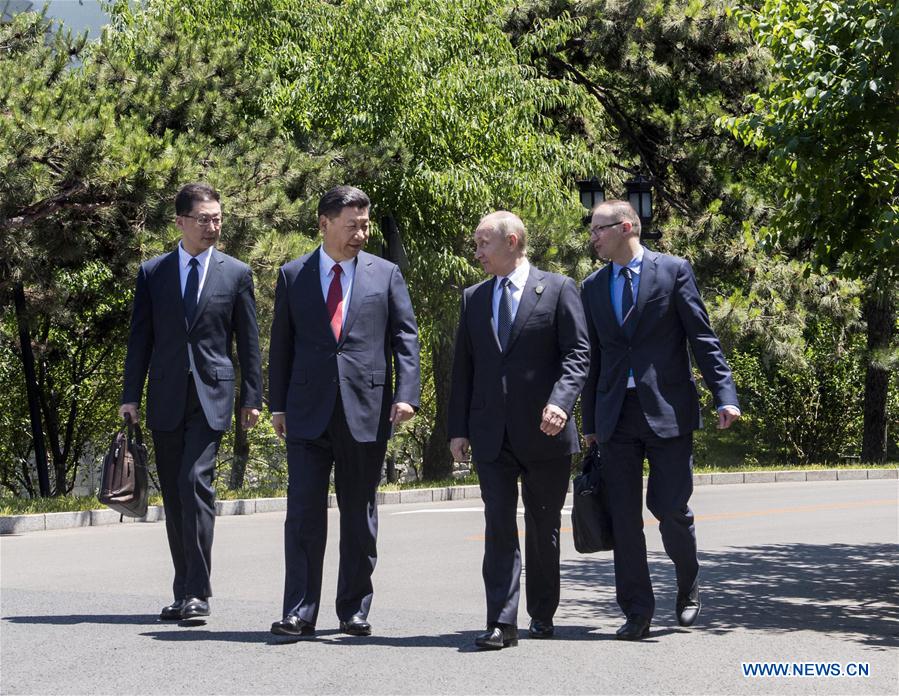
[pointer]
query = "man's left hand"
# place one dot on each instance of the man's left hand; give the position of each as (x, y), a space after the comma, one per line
(727, 416)
(248, 417)
(554, 420)
(401, 411)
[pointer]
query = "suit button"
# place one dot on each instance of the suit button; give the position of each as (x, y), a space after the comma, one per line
(338, 352)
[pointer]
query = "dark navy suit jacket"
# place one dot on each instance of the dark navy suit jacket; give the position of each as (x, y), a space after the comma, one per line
(307, 365)
(670, 315)
(159, 338)
(545, 361)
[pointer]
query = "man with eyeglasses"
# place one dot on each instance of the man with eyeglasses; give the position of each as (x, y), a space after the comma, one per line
(640, 402)
(188, 305)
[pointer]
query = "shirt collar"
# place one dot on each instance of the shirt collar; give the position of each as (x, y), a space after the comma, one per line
(518, 277)
(184, 258)
(635, 264)
(326, 263)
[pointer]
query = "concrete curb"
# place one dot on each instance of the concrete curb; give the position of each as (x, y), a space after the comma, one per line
(17, 524)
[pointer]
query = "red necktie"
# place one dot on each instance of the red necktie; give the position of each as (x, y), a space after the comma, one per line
(335, 302)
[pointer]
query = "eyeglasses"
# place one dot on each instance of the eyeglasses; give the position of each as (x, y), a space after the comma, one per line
(205, 219)
(597, 228)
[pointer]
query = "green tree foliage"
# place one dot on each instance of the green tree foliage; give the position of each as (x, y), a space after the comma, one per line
(827, 123)
(92, 154)
(428, 107)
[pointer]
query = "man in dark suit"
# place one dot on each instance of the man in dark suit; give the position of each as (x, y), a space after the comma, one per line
(640, 401)
(188, 307)
(343, 322)
(521, 358)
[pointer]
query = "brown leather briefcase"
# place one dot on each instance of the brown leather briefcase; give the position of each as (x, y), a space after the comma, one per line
(125, 484)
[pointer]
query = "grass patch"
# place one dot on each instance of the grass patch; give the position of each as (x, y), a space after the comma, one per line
(27, 506)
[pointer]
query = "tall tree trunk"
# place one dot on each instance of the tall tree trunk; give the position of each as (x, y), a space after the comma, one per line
(34, 410)
(437, 461)
(241, 453)
(880, 315)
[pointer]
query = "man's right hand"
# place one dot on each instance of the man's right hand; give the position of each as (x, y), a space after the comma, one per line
(130, 409)
(589, 439)
(279, 423)
(460, 447)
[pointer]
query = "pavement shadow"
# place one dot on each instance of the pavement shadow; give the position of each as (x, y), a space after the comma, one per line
(849, 590)
(72, 619)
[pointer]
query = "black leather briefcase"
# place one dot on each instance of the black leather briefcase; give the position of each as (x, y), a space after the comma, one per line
(590, 520)
(125, 485)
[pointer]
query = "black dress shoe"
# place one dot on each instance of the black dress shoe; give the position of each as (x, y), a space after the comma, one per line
(194, 607)
(688, 606)
(541, 629)
(636, 628)
(293, 626)
(498, 636)
(356, 626)
(172, 612)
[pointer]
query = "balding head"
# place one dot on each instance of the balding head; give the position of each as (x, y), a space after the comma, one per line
(500, 242)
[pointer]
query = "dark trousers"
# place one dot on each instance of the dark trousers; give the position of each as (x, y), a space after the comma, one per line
(185, 461)
(667, 496)
(357, 471)
(544, 485)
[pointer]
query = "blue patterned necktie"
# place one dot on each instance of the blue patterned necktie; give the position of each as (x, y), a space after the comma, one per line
(504, 320)
(191, 290)
(627, 296)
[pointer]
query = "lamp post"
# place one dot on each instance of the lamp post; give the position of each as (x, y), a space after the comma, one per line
(592, 194)
(639, 195)
(393, 249)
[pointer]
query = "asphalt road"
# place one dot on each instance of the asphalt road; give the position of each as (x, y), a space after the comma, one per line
(792, 572)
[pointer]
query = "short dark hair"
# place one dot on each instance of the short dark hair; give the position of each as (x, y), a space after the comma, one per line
(340, 197)
(189, 194)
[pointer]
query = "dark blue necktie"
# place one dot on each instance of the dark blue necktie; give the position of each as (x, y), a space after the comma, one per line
(627, 296)
(191, 290)
(504, 318)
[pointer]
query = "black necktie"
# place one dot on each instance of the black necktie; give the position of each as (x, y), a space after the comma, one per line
(627, 296)
(191, 290)
(504, 320)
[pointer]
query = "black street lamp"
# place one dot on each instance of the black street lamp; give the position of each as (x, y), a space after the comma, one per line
(592, 193)
(639, 195)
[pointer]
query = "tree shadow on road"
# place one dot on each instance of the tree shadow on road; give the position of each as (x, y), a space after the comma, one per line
(845, 590)
(72, 619)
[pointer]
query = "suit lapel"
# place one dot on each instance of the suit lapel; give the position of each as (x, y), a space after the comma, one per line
(647, 286)
(362, 283)
(171, 285)
(309, 288)
(529, 299)
(604, 305)
(482, 311)
(210, 284)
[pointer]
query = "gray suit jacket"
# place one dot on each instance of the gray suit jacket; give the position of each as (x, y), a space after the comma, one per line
(159, 337)
(545, 361)
(669, 315)
(307, 366)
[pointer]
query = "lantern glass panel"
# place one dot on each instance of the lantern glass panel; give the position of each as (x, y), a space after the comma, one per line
(586, 199)
(633, 198)
(646, 204)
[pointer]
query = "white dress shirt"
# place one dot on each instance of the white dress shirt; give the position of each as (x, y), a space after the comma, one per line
(183, 269)
(326, 274)
(517, 279)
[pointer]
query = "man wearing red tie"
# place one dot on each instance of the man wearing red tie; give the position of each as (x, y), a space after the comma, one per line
(343, 329)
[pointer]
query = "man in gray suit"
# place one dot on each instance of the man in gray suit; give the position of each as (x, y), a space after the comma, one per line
(640, 401)
(521, 358)
(343, 326)
(189, 305)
